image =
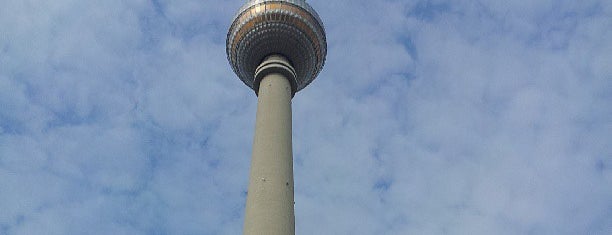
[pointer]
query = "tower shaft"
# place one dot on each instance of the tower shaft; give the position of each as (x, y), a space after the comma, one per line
(269, 206)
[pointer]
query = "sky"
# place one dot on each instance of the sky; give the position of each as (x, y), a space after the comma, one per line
(429, 117)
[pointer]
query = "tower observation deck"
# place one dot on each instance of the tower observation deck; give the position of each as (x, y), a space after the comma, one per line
(276, 47)
(290, 28)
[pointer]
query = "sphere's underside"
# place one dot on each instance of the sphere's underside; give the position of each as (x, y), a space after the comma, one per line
(265, 27)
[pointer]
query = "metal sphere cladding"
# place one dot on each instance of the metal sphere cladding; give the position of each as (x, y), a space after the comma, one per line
(290, 28)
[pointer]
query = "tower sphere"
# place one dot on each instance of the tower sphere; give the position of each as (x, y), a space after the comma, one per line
(290, 28)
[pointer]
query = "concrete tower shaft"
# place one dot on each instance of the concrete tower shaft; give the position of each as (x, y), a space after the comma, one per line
(269, 207)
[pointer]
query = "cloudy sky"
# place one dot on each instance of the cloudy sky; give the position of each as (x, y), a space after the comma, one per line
(430, 117)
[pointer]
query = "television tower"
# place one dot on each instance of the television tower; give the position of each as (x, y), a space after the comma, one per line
(276, 47)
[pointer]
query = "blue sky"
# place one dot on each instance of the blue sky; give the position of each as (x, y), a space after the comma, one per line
(430, 117)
